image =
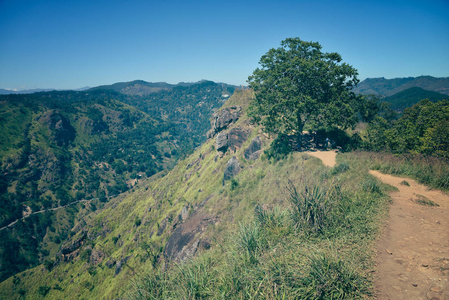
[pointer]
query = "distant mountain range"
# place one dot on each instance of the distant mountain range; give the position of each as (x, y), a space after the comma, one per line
(130, 88)
(31, 91)
(388, 87)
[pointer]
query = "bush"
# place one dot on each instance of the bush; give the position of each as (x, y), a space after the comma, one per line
(279, 148)
(48, 264)
(43, 290)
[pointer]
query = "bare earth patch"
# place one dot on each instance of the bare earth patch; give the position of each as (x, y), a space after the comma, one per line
(327, 157)
(413, 250)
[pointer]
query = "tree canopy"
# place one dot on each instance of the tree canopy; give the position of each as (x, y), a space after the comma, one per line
(298, 84)
(423, 128)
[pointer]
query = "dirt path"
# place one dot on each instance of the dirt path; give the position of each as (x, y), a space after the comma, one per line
(413, 250)
(28, 212)
(327, 157)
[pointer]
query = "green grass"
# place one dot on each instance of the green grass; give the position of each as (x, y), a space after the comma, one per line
(427, 170)
(276, 253)
(267, 241)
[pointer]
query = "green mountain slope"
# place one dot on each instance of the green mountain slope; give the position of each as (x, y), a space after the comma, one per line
(388, 87)
(58, 148)
(235, 220)
(411, 96)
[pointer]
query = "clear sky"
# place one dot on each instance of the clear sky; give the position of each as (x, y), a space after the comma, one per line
(76, 43)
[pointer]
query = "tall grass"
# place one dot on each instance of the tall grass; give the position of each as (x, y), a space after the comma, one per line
(311, 207)
(427, 170)
(314, 244)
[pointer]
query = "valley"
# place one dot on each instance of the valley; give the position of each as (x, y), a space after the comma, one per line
(216, 206)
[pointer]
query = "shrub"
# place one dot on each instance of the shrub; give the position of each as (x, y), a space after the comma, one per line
(403, 182)
(234, 184)
(48, 264)
(43, 290)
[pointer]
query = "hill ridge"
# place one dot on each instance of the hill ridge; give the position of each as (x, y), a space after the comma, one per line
(388, 87)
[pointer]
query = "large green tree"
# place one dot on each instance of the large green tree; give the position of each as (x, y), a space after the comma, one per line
(299, 84)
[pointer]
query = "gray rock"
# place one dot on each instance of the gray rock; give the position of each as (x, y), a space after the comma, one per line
(236, 138)
(232, 139)
(232, 168)
(221, 142)
(96, 256)
(74, 245)
(222, 119)
(119, 264)
(253, 150)
(185, 212)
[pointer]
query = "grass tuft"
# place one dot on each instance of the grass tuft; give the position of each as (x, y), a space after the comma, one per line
(423, 200)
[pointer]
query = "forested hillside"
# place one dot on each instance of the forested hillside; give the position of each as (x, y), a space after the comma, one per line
(58, 148)
(388, 87)
(411, 96)
(125, 195)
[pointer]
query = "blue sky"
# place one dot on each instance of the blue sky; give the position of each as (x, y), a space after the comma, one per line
(77, 43)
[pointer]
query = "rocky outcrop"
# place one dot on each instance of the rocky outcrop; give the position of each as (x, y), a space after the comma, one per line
(232, 168)
(119, 264)
(96, 256)
(222, 119)
(232, 139)
(221, 141)
(187, 238)
(254, 149)
(74, 245)
(236, 138)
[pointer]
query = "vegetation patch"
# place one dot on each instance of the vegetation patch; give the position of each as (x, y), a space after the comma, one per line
(423, 200)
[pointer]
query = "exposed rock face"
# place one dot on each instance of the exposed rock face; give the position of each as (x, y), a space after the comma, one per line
(96, 257)
(232, 139)
(222, 119)
(119, 264)
(74, 245)
(187, 238)
(232, 168)
(236, 138)
(221, 142)
(253, 150)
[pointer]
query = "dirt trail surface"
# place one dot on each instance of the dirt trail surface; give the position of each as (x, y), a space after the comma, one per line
(413, 250)
(327, 157)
